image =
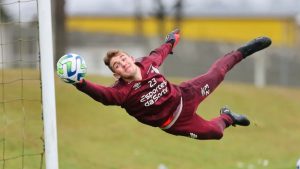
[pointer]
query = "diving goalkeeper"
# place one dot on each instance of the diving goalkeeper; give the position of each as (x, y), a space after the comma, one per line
(148, 96)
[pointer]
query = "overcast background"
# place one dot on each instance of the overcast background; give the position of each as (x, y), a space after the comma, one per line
(96, 44)
(190, 7)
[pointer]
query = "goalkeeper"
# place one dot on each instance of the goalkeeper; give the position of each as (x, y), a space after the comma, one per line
(149, 97)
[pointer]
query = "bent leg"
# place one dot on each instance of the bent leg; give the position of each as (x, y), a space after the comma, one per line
(201, 129)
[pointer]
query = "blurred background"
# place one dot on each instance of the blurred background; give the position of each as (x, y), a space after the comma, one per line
(209, 29)
(90, 135)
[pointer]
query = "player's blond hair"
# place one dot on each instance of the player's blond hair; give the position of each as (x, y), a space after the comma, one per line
(109, 55)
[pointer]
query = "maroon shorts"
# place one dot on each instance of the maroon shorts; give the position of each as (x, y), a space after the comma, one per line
(194, 91)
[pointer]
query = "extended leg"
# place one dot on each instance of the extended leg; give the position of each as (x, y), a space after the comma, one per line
(205, 84)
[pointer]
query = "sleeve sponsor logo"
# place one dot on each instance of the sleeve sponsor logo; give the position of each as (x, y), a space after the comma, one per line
(205, 90)
(152, 69)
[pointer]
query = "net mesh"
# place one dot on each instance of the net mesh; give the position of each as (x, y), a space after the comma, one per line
(21, 125)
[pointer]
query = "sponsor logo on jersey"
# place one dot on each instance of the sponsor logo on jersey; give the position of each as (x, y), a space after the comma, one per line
(136, 86)
(153, 69)
(158, 90)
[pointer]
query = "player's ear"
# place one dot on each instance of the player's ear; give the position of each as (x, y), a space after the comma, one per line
(133, 59)
(117, 76)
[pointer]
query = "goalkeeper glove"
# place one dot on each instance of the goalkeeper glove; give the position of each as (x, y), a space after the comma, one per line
(173, 38)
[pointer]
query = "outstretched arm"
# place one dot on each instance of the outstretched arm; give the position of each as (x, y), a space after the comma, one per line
(173, 38)
(71, 69)
(158, 55)
(105, 95)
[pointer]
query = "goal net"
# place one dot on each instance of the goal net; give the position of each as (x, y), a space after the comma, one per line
(21, 112)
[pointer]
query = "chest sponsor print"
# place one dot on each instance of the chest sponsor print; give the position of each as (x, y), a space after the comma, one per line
(158, 90)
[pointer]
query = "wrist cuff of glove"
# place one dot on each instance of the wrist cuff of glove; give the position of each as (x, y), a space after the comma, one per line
(82, 83)
(171, 41)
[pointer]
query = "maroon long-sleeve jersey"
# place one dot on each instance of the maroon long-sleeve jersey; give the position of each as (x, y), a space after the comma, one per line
(151, 100)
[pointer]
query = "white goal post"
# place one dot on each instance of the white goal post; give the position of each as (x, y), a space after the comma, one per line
(48, 90)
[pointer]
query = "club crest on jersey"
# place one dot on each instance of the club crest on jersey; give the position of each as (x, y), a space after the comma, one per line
(153, 69)
(136, 86)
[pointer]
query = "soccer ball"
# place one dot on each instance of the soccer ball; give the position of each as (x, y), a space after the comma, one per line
(71, 68)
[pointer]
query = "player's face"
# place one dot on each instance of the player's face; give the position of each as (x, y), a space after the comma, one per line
(123, 66)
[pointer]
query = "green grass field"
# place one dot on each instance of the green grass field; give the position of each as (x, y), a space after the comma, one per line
(94, 136)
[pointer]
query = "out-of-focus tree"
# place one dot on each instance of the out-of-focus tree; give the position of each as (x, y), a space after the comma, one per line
(160, 16)
(3, 15)
(138, 19)
(178, 13)
(59, 28)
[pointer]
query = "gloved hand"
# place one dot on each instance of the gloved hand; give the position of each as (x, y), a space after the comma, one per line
(173, 38)
(71, 68)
